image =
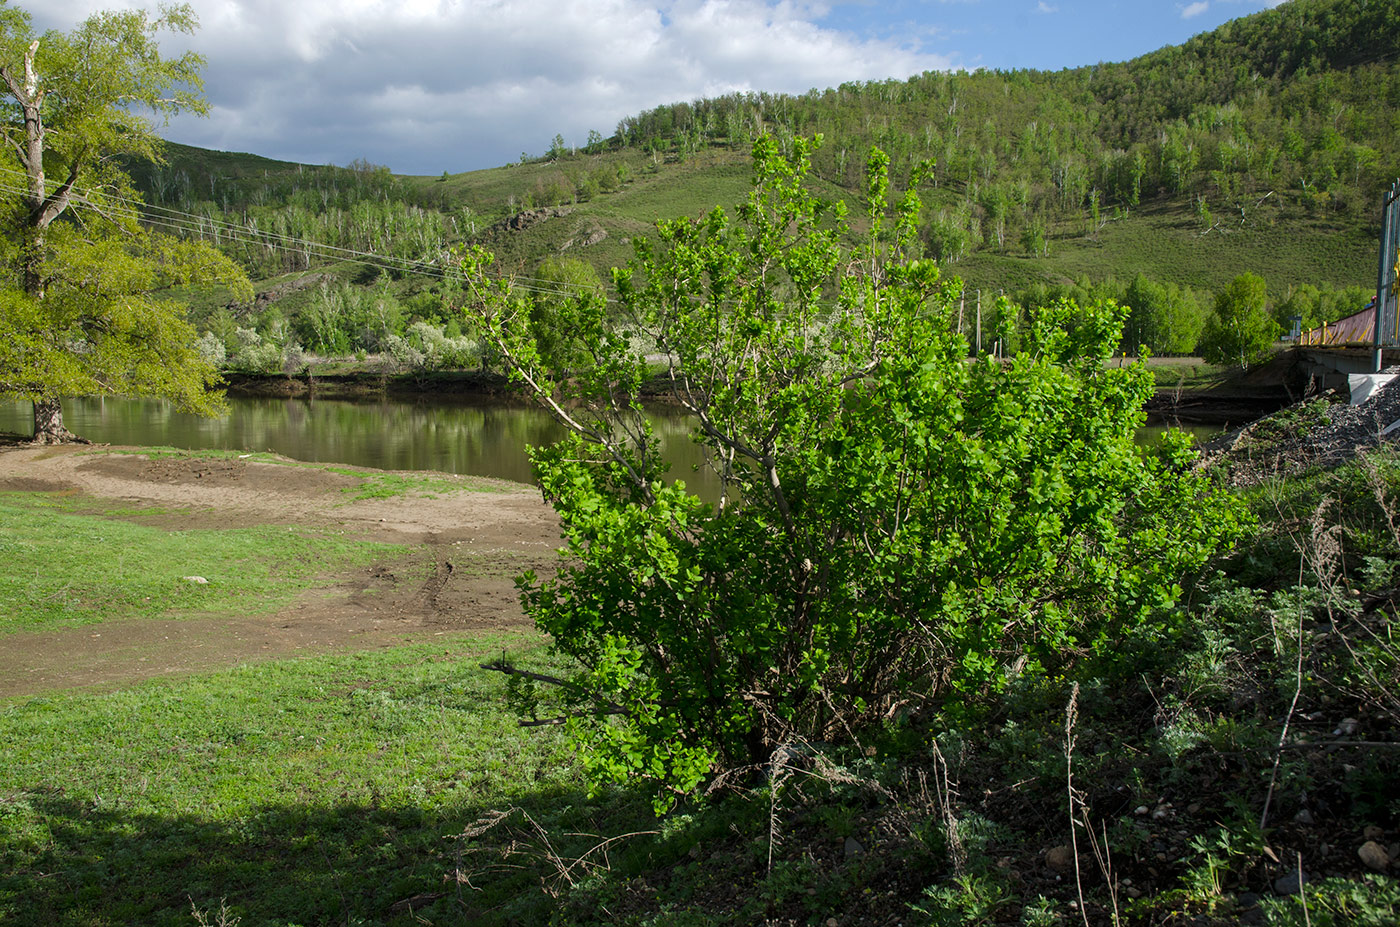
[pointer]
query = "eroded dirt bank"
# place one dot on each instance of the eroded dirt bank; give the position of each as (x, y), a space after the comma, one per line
(461, 550)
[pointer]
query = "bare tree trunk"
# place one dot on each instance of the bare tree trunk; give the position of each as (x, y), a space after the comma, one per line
(48, 424)
(42, 207)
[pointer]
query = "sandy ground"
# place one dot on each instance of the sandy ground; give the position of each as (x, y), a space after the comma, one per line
(462, 550)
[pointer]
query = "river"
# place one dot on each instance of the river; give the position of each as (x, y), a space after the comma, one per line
(477, 438)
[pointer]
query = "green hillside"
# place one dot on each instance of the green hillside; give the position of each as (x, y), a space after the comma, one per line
(1260, 146)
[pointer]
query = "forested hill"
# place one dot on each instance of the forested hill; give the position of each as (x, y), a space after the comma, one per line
(1263, 145)
(1301, 99)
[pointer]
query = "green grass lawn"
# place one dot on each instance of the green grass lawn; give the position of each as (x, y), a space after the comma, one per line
(60, 567)
(320, 790)
(312, 791)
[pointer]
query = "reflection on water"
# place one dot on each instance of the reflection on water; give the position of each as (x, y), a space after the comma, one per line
(456, 437)
(1150, 435)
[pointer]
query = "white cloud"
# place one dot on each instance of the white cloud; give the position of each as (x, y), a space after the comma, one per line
(1195, 9)
(428, 85)
(1043, 7)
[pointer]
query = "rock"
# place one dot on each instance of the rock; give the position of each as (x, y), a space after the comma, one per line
(1304, 817)
(832, 922)
(1060, 859)
(1346, 728)
(1193, 808)
(197, 580)
(1140, 810)
(528, 217)
(853, 848)
(1372, 832)
(1162, 811)
(1247, 900)
(1292, 883)
(584, 238)
(1374, 856)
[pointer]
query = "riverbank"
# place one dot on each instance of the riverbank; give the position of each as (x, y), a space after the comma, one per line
(1188, 389)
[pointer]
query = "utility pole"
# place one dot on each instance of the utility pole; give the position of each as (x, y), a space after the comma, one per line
(1385, 276)
(979, 323)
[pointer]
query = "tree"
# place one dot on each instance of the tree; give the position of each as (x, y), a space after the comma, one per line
(565, 293)
(79, 304)
(1163, 317)
(1317, 306)
(1033, 238)
(1239, 330)
(896, 528)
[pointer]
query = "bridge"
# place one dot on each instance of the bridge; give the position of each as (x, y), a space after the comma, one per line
(1369, 341)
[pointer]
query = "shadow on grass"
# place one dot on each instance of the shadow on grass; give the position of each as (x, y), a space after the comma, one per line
(64, 862)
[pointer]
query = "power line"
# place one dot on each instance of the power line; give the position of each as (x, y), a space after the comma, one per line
(199, 225)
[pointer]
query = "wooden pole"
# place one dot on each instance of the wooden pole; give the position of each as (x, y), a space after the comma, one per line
(979, 322)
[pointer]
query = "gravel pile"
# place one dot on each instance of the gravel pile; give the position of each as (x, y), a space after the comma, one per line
(1320, 432)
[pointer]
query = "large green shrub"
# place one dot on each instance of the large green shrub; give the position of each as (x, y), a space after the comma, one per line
(897, 526)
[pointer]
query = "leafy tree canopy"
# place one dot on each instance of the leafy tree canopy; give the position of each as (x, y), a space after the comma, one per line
(1318, 305)
(80, 276)
(1240, 330)
(897, 528)
(565, 288)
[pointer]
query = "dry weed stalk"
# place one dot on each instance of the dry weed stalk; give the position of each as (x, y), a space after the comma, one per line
(1102, 856)
(797, 762)
(946, 792)
(533, 845)
(222, 918)
(1303, 893)
(1104, 859)
(1071, 717)
(1298, 672)
(780, 769)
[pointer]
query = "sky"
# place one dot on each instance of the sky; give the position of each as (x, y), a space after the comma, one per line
(426, 86)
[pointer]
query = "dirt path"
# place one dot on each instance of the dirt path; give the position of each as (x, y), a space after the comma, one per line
(462, 550)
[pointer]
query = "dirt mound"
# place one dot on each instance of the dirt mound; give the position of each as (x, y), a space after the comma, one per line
(1321, 432)
(217, 472)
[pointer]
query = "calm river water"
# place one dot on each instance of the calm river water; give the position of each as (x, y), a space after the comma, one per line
(457, 437)
(481, 439)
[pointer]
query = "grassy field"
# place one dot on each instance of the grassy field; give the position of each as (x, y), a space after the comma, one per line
(62, 566)
(315, 791)
(321, 790)
(1164, 242)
